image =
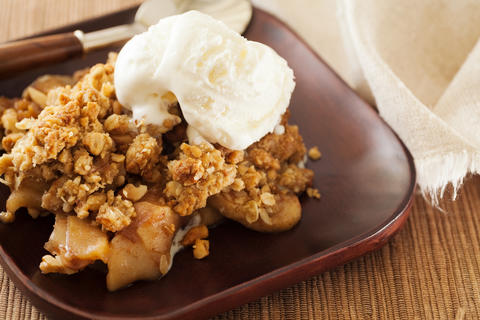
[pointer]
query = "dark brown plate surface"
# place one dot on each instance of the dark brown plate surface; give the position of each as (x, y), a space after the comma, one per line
(366, 178)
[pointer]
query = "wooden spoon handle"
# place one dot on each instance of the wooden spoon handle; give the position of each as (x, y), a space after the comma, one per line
(25, 54)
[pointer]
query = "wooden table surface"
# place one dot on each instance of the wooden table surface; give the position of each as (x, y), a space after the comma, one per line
(430, 270)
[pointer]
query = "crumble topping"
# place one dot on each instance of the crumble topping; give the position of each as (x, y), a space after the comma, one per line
(200, 172)
(263, 195)
(194, 234)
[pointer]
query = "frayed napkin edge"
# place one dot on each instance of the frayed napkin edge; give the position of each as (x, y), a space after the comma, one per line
(435, 174)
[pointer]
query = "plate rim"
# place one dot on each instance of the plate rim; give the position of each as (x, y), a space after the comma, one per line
(284, 276)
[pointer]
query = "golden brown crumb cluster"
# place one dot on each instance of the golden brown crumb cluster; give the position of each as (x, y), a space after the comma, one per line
(196, 237)
(200, 171)
(314, 153)
(263, 194)
(313, 193)
(121, 189)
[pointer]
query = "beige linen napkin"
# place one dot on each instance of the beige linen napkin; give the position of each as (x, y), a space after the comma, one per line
(417, 60)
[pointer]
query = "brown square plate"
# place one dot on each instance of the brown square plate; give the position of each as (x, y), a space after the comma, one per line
(366, 177)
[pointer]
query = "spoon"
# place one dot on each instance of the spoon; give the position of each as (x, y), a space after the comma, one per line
(26, 54)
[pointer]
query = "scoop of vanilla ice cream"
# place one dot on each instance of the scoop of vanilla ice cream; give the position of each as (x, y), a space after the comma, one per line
(231, 91)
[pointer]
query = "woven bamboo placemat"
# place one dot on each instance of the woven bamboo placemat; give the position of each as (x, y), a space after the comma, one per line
(430, 270)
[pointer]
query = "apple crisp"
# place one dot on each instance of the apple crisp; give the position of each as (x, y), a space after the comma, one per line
(127, 193)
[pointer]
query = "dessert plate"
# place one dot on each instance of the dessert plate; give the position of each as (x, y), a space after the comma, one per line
(366, 178)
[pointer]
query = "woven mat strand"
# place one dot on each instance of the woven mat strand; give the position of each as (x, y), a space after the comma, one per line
(430, 270)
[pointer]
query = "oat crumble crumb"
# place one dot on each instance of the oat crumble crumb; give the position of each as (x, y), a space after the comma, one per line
(195, 233)
(313, 193)
(314, 153)
(201, 248)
